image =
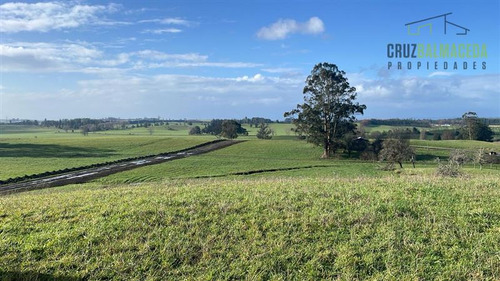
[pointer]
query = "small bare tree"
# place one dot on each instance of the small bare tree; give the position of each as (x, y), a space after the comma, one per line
(85, 130)
(479, 158)
(396, 150)
(423, 134)
(458, 157)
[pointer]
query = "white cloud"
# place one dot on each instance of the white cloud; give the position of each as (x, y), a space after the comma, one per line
(176, 21)
(167, 95)
(179, 96)
(267, 101)
(281, 70)
(177, 64)
(161, 56)
(167, 21)
(429, 97)
(161, 31)
(45, 16)
(120, 59)
(285, 72)
(86, 58)
(256, 78)
(441, 73)
(170, 21)
(45, 56)
(283, 27)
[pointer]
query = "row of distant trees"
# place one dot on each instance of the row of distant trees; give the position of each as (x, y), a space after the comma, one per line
(423, 122)
(396, 122)
(230, 129)
(472, 128)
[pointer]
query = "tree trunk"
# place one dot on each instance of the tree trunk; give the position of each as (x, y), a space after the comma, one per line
(400, 164)
(325, 154)
(326, 149)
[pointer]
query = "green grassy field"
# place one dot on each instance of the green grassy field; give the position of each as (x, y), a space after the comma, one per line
(303, 158)
(429, 150)
(252, 155)
(457, 144)
(27, 155)
(386, 228)
(386, 128)
(297, 217)
(30, 150)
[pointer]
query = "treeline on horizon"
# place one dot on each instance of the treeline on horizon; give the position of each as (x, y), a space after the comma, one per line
(110, 123)
(423, 122)
(117, 123)
(440, 129)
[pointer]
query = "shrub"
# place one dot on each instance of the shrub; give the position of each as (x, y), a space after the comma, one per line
(458, 157)
(264, 132)
(448, 170)
(196, 130)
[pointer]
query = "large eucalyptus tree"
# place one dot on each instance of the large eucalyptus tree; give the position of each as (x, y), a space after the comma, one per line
(328, 109)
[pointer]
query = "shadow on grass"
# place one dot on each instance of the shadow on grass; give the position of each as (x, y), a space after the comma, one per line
(32, 276)
(430, 157)
(50, 151)
(289, 137)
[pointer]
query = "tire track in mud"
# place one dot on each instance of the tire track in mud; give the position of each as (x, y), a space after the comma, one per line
(88, 174)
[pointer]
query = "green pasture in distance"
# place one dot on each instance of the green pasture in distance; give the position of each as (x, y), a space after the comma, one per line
(246, 156)
(34, 150)
(429, 150)
(457, 144)
(24, 131)
(25, 156)
(256, 155)
(172, 129)
(386, 128)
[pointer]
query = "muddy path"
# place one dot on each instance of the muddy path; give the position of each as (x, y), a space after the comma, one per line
(88, 174)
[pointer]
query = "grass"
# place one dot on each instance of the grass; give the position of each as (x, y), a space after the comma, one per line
(252, 155)
(429, 150)
(387, 128)
(262, 155)
(22, 153)
(22, 130)
(386, 228)
(338, 219)
(21, 156)
(457, 144)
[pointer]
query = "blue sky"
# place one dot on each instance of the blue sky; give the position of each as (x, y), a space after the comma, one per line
(230, 59)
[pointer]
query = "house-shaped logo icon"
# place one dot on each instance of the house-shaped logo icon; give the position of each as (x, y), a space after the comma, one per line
(428, 23)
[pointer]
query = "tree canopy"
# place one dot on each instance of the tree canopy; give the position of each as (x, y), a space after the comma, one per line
(225, 128)
(264, 132)
(474, 128)
(196, 130)
(328, 109)
(215, 127)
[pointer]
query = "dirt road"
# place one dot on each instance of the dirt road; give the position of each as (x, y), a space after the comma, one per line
(86, 175)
